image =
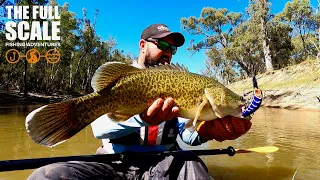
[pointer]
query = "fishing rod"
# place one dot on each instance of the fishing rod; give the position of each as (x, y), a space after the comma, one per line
(22, 164)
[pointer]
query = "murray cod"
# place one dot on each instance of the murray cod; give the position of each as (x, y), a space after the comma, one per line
(121, 91)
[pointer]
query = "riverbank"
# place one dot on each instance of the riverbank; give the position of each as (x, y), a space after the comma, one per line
(15, 97)
(295, 87)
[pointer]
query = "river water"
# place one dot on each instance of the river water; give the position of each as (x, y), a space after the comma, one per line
(296, 133)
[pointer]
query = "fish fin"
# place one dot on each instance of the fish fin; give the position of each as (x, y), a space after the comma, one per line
(183, 67)
(175, 67)
(109, 73)
(214, 96)
(116, 117)
(52, 124)
(200, 107)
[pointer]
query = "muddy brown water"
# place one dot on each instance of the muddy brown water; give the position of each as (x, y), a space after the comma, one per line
(296, 133)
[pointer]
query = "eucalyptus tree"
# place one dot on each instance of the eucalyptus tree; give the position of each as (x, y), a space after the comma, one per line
(215, 27)
(298, 14)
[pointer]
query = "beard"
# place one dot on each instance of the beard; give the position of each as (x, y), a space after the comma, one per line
(154, 61)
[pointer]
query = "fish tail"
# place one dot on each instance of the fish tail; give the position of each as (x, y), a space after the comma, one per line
(52, 124)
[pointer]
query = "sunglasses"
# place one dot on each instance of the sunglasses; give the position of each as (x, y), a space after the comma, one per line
(163, 45)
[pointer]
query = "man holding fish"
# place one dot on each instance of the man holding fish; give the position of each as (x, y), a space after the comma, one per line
(178, 102)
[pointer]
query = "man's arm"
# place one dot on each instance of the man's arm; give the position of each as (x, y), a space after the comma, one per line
(226, 128)
(190, 136)
(104, 128)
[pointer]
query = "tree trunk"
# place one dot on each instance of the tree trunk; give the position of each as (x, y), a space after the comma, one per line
(244, 66)
(78, 65)
(70, 76)
(88, 82)
(25, 91)
(54, 72)
(318, 55)
(267, 56)
(303, 43)
(265, 40)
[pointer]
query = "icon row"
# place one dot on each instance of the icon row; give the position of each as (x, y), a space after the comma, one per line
(33, 56)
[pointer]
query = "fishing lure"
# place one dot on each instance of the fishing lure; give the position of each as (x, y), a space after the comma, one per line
(256, 100)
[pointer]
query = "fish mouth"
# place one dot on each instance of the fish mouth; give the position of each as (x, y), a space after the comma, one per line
(164, 60)
(247, 117)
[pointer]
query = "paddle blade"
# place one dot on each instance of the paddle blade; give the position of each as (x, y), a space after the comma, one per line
(264, 150)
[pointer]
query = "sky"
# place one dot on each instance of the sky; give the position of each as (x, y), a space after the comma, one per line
(125, 20)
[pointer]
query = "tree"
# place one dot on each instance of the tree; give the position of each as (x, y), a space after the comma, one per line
(29, 3)
(298, 15)
(316, 28)
(259, 11)
(82, 51)
(246, 49)
(215, 26)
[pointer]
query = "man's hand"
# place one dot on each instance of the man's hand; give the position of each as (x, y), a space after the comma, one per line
(226, 128)
(160, 111)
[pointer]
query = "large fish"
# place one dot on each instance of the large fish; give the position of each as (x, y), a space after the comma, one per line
(121, 91)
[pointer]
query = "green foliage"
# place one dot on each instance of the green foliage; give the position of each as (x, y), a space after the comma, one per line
(215, 26)
(299, 15)
(239, 46)
(82, 51)
(245, 48)
(280, 45)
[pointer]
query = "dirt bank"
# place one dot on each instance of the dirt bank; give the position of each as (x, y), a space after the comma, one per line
(294, 87)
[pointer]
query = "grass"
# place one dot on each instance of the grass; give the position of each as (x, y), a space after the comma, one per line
(306, 74)
(295, 86)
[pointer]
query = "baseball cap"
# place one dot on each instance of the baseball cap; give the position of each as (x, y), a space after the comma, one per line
(161, 30)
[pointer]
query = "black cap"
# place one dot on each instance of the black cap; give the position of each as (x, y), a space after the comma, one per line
(161, 30)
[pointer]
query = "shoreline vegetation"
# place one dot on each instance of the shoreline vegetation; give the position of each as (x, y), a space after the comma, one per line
(294, 87)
